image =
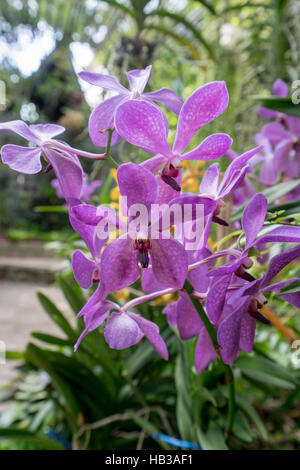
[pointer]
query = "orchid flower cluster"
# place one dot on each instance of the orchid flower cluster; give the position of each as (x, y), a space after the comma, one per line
(279, 160)
(209, 298)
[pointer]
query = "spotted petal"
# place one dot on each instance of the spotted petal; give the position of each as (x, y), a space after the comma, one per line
(202, 107)
(101, 118)
(169, 262)
(119, 264)
(144, 125)
(213, 147)
(83, 269)
(151, 331)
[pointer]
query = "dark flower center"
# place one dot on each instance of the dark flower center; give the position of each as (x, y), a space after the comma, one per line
(143, 247)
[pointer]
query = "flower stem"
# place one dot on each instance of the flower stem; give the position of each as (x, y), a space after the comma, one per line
(107, 150)
(227, 370)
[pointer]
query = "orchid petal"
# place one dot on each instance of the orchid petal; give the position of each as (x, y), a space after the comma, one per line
(68, 172)
(211, 148)
(287, 234)
(267, 113)
(83, 269)
(47, 131)
(151, 331)
(167, 97)
(229, 333)
(216, 297)
(21, 128)
(23, 159)
(281, 155)
(121, 331)
(119, 264)
(138, 79)
(144, 125)
(189, 323)
(154, 164)
(94, 319)
(253, 218)
(95, 302)
(205, 352)
(279, 261)
(150, 283)
(247, 333)
(275, 132)
(138, 184)
(171, 312)
(268, 173)
(202, 107)
(280, 88)
(101, 118)
(104, 81)
(210, 180)
(236, 165)
(169, 262)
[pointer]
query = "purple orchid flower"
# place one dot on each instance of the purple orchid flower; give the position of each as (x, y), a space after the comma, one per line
(103, 115)
(122, 329)
(268, 173)
(119, 265)
(237, 330)
(86, 190)
(246, 189)
(252, 223)
(287, 145)
(211, 187)
(60, 156)
(144, 125)
(280, 90)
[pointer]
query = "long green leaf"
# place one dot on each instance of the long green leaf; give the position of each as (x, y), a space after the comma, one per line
(291, 288)
(282, 105)
(57, 316)
(40, 441)
(39, 358)
(265, 371)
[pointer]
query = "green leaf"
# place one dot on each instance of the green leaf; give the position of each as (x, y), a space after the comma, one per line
(213, 439)
(51, 209)
(252, 414)
(50, 339)
(72, 295)
(265, 371)
(57, 316)
(291, 288)
(272, 194)
(241, 428)
(41, 442)
(14, 355)
(39, 358)
(183, 403)
(282, 105)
